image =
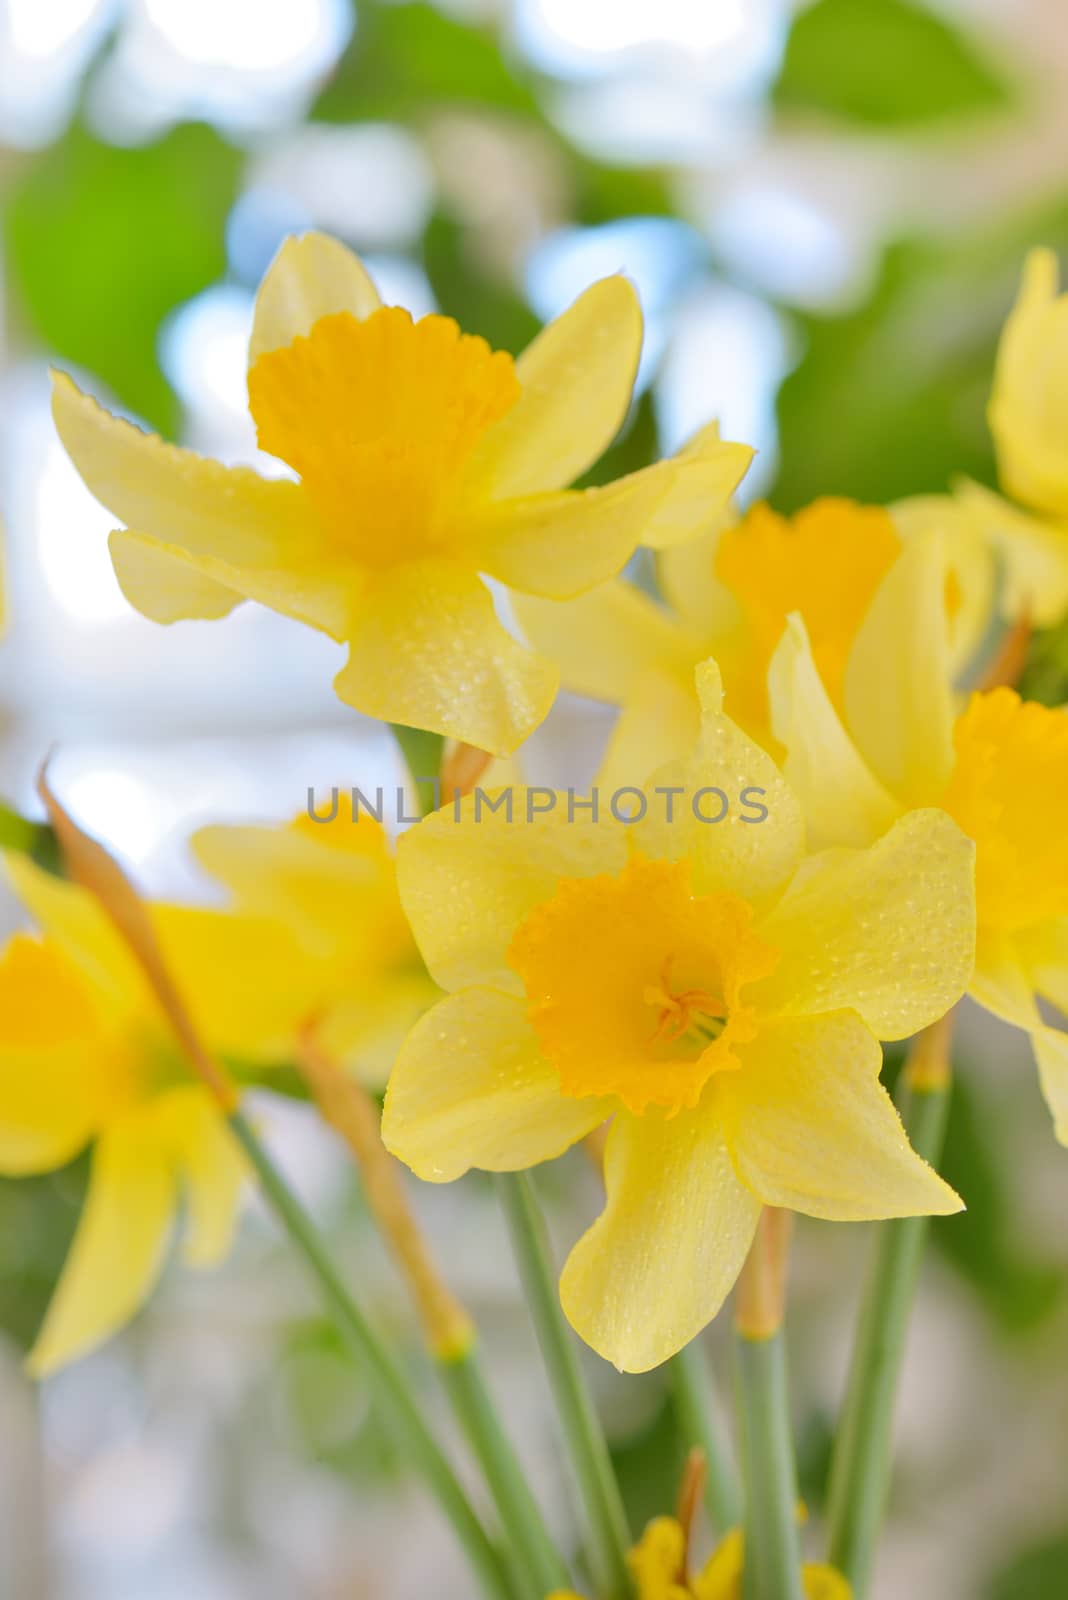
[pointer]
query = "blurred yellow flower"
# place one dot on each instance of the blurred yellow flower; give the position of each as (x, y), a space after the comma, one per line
(1000, 768)
(424, 459)
(1028, 415)
(87, 1059)
(728, 594)
(658, 1563)
(716, 997)
(333, 883)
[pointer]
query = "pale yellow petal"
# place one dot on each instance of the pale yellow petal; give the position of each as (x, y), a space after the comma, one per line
(312, 276)
(605, 642)
(169, 584)
(576, 380)
(1043, 953)
(756, 846)
(164, 583)
(664, 1254)
(230, 513)
(898, 695)
(1033, 552)
(1028, 410)
(843, 801)
(687, 577)
(1051, 1057)
(211, 1168)
(471, 1089)
(810, 1126)
(888, 932)
(467, 883)
(559, 545)
(657, 726)
(707, 472)
(428, 650)
(364, 1030)
(119, 1245)
(973, 576)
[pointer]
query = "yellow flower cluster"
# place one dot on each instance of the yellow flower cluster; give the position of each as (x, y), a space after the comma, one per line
(714, 989)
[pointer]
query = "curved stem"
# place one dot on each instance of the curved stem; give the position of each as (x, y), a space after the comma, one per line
(585, 1440)
(860, 1467)
(391, 1392)
(772, 1550)
(701, 1426)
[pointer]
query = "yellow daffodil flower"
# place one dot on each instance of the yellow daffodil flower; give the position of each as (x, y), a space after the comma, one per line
(658, 1563)
(423, 459)
(1028, 416)
(1000, 768)
(697, 983)
(87, 1059)
(333, 883)
(727, 594)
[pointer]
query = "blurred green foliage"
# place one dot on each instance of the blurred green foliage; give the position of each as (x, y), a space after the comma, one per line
(885, 63)
(103, 241)
(38, 1216)
(1040, 1573)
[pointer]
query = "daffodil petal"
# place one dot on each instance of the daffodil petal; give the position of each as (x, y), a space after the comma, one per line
(245, 978)
(664, 1254)
(1043, 952)
(1006, 974)
(363, 1032)
(428, 650)
(1033, 551)
(229, 513)
(118, 1248)
(811, 1128)
(707, 472)
(659, 725)
(559, 545)
(468, 881)
(888, 932)
(164, 583)
(687, 577)
(212, 1168)
(82, 931)
(1051, 1058)
(605, 642)
(844, 803)
(51, 1053)
(576, 380)
(169, 584)
(470, 1088)
(970, 557)
(744, 852)
(312, 276)
(898, 696)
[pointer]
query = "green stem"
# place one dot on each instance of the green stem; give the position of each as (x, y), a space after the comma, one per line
(700, 1425)
(542, 1569)
(772, 1549)
(391, 1392)
(590, 1459)
(860, 1469)
(422, 752)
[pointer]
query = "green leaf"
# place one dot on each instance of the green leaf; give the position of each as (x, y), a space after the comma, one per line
(466, 289)
(885, 63)
(1036, 1574)
(102, 242)
(890, 399)
(404, 59)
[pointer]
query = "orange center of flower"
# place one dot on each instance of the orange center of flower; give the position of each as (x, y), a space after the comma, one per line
(634, 983)
(379, 417)
(1009, 792)
(826, 562)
